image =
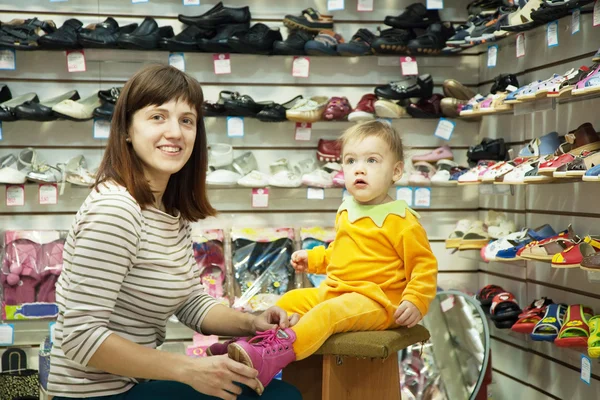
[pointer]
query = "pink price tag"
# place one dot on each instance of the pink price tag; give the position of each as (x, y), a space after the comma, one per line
(300, 67)
(303, 131)
(260, 198)
(15, 195)
(76, 61)
(222, 63)
(48, 193)
(364, 5)
(409, 66)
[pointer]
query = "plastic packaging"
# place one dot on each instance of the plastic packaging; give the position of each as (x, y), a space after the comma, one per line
(261, 266)
(314, 237)
(419, 376)
(209, 254)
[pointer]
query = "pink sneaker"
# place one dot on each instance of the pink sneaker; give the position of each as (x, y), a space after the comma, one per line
(441, 153)
(268, 352)
(338, 179)
(219, 349)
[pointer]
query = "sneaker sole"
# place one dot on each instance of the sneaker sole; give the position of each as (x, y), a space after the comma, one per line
(237, 353)
(385, 111)
(360, 116)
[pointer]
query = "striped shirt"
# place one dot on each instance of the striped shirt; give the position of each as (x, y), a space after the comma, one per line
(125, 271)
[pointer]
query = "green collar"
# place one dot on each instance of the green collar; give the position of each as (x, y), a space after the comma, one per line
(377, 213)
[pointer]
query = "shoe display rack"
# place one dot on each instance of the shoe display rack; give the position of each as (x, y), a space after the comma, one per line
(520, 365)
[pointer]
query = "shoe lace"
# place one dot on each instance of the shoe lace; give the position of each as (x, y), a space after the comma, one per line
(269, 340)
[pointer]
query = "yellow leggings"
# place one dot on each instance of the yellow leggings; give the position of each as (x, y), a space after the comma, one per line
(321, 318)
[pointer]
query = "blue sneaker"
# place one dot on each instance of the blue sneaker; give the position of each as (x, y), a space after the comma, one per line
(541, 233)
(592, 174)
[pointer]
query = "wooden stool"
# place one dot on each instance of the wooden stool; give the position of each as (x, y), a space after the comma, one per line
(355, 366)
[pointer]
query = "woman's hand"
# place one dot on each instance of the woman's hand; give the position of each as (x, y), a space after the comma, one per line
(273, 318)
(215, 376)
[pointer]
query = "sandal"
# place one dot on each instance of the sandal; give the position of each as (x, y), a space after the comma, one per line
(594, 339)
(547, 329)
(589, 83)
(531, 316)
(210, 109)
(575, 331)
(569, 82)
(545, 251)
(574, 255)
(25, 36)
(521, 20)
(505, 310)
(457, 234)
(486, 295)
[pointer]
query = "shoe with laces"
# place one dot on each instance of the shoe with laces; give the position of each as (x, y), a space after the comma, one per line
(268, 353)
(365, 109)
(258, 40)
(392, 41)
(219, 349)
(294, 44)
(359, 45)
(414, 16)
(433, 40)
(310, 20)
(324, 44)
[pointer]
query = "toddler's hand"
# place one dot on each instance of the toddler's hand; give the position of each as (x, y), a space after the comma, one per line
(407, 314)
(300, 260)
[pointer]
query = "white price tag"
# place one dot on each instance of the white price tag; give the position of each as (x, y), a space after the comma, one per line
(405, 193)
(492, 56)
(364, 5)
(51, 327)
(586, 369)
(15, 195)
(75, 61)
(191, 2)
(520, 45)
(576, 21)
(0, 130)
(422, 197)
(447, 304)
(435, 4)
(7, 334)
(139, 1)
(48, 193)
(303, 131)
(596, 13)
(260, 198)
(444, 129)
(300, 67)
(8, 59)
(101, 128)
(177, 60)
(409, 66)
(315, 193)
(222, 63)
(333, 5)
(235, 126)
(552, 34)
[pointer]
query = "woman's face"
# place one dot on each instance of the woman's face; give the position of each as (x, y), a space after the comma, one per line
(163, 138)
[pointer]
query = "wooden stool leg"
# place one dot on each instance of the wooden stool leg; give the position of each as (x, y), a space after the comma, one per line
(307, 376)
(360, 379)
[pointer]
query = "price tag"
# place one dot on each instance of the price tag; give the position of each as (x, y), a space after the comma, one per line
(191, 2)
(222, 63)
(235, 126)
(444, 129)
(345, 193)
(51, 326)
(520, 45)
(7, 334)
(101, 129)
(422, 197)
(492, 56)
(576, 21)
(447, 304)
(0, 130)
(303, 131)
(48, 193)
(15, 195)
(364, 5)
(8, 59)
(177, 60)
(75, 61)
(301, 67)
(260, 198)
(405, 193)
(586, 369)
(552, 34)
(409, 66)
(315, 193)
(596, 13)
(333, 5)
(138, 1)
(435, 4)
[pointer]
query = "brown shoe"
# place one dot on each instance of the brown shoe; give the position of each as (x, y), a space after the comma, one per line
(310, 20)
(583, 138)
(453, 88)
(450, 106)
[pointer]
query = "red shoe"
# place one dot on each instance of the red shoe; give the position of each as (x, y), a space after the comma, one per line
(365, 109)
(337, 108)
(329, 150)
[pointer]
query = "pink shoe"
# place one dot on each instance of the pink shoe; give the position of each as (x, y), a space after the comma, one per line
(338, 179)
(219, 349)
(441, 153)
(268, 352)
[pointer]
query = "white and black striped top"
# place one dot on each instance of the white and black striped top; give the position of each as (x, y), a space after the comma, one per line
(125, 271)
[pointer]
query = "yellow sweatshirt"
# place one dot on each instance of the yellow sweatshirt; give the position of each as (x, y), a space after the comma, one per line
(379, 251)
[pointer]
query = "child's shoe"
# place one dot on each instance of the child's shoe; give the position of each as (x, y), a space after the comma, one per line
(268, 352)
(219, 349)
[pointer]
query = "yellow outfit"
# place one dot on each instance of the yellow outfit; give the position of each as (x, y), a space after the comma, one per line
(379, 258)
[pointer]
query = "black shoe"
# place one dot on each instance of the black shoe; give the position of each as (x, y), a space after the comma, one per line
(66, 37)
(405, 89)
(414, 16)
(25, 36)
(42, 111)
(293, 45)
(503, 81)
(258, 40)
(310, 20)
(104, 35)
(392, 41)
(433, 40)
(276, 112)
(245, 106)
(488, 149)
(488, 6)
(146, 36)
(186, 40)
(210, 109)
(5, 94)
(359, 45)
(7, 109)
(105, 111)
(217, 16)
(110, 95)
(219, 43)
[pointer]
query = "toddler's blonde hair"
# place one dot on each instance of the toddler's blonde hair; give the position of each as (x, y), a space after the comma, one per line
(376, 128)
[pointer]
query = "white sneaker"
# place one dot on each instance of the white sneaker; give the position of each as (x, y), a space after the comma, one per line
(254, 179)
(222, 178)
(318, 178)
(285, 179)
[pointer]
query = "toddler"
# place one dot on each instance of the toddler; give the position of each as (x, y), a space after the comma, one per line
(381, 272)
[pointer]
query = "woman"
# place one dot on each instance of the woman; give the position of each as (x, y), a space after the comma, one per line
(128, 262)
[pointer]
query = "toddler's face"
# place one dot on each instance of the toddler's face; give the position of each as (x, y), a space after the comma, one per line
(370, 167)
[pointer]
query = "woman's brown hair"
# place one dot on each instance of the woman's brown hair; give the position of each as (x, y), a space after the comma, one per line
(186, 190)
